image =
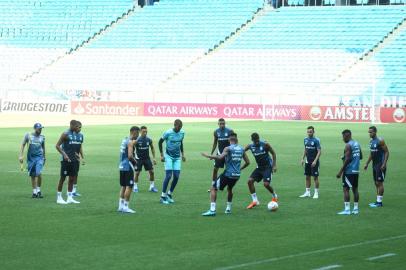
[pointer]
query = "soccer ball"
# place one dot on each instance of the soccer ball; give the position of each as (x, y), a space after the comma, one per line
(273, 206)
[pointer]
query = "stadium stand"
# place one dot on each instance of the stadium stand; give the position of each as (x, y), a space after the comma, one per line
(295, 50)
(392, 59)
(203, 48)
(150, 45)
(33, 33)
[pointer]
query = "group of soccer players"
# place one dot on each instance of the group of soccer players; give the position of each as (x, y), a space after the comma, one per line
(349, 172)
(134, 155)
(69, 146)
(135, 149)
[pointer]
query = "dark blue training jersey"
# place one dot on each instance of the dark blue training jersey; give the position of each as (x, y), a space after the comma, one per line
(142, 147)
(378, 155)
(72, 144)
(222, 136)
(311, 146)
(261, 155)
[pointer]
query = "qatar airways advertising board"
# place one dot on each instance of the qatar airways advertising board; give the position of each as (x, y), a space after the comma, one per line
(240, 111)
(232, 111)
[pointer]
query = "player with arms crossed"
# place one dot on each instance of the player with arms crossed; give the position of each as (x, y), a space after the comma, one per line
(126, 167)
(311, 162)
(379, 155)
(144, 143)
(35, 158)
(349, 172)
(220, 141)
(69, 146)
(173, 157)
(265, 167)
(233, 155)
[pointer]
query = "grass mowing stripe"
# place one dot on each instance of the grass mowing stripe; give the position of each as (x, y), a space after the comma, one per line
(318, 251)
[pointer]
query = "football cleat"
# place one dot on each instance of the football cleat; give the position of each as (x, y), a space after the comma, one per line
(315, 195)
(135, 189)
(164, 200)
(128, 211)
(71, 200)
(153, 189)
(228, 211)
(209, 213)
(76, 194)
(252, 205)
(34, 196)
(39, 195)
(355, 212)
(375, 204)
(305, 195)
(344, 212)
(169, 199)
(61, 201)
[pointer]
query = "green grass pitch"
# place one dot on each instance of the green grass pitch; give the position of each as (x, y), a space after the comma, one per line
(302, 234)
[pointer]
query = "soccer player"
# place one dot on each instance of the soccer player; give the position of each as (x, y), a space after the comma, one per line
(379, 154)
(80, 157)
(69, 146)
(265, 167)
(144, 143)
(350, 172)
(126, 167)
(220, 141)
(233, 155)
(173, 156)
(35, 158)
(311, 162)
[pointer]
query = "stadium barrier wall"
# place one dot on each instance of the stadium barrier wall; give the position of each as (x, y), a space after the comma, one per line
(242, 111)
(22, 113)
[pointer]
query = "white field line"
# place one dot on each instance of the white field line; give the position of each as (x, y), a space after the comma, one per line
(317, 251)
(381, 256)
(334, 266)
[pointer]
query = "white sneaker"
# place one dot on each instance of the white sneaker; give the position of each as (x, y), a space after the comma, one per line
(305, 195)
(71, 200)
(61, 201)
(128, 210)
(316, 196)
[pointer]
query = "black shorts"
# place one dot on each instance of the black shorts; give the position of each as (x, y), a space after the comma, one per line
(379, 175)
(146, 163)
(309, 171)
(224, 181)
(219, 163)
(262, 174)
(127, 178)
(69, 168)
(350, 180)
